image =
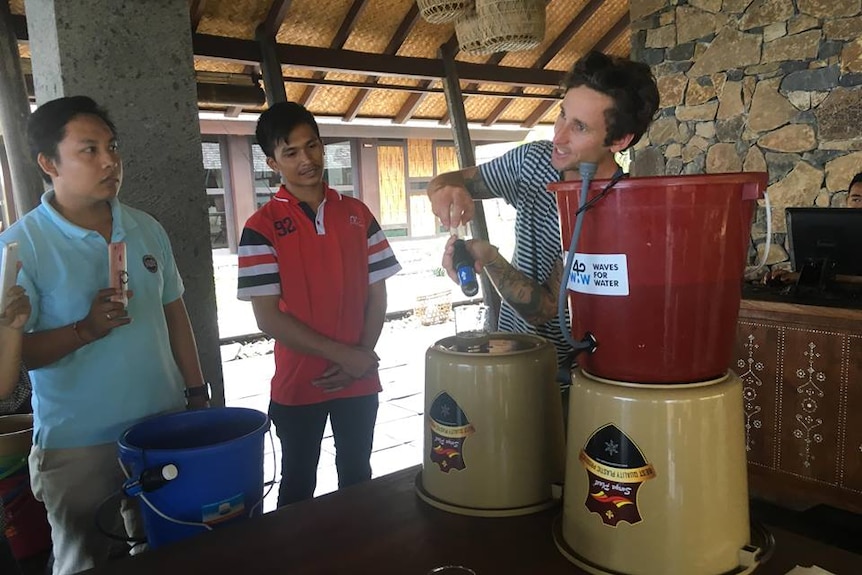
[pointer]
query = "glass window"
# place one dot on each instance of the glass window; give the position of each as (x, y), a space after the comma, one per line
(338, 166)
(215, 194)
(266, 182)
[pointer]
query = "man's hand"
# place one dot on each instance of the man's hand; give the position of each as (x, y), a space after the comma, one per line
(197, 403)
(17, 310)
(333, 379)
(452, 204)
(104, 316)
(482, 252)
(358, 362)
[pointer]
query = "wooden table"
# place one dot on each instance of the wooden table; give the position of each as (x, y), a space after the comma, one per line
(382, 528)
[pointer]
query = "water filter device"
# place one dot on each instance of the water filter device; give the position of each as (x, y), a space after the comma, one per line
(463, 263)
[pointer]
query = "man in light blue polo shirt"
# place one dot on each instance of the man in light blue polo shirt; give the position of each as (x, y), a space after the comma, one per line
(97, 365)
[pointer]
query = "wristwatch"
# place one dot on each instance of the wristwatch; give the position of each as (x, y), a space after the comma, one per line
(198, 391)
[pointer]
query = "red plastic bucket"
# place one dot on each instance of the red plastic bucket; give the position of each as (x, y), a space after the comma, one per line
(27, 527)
(657, 276)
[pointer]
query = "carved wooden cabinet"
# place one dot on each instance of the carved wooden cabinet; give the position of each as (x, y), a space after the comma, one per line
(801, 368)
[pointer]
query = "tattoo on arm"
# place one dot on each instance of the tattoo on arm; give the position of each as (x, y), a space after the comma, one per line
(475, 184)
(536, 303)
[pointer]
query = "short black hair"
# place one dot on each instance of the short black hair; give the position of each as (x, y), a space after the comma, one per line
(631, 85)
(857, 179)
(276, 124)
(46, 127)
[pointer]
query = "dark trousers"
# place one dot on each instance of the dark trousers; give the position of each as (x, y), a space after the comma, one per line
(300, 430)
(7, 560)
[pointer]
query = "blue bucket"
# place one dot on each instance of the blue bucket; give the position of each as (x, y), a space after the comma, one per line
(194, 470)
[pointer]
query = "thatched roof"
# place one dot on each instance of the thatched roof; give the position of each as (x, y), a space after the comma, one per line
(378, 58)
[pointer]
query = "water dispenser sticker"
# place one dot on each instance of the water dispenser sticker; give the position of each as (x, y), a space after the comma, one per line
(616, 469)
(221, 511)
(600, 274)
(449, 429)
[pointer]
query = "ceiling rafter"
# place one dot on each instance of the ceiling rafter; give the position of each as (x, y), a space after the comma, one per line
(549, 54)
(616, 30)
(395, 43)
(338, 41)
(196, 12)
(242, 80)
(275, 17)
(408, 108)
(493, 60)
(351, 61)
(600, 45)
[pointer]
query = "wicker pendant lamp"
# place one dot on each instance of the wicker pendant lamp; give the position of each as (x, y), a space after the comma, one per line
(442, 11)
(469, 34)
(511, 25)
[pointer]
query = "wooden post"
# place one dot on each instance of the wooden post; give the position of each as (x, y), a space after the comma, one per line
(270, 68)
(26, 182)
(467, 159)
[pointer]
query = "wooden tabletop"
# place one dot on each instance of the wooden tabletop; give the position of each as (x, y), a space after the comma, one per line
(382, 528)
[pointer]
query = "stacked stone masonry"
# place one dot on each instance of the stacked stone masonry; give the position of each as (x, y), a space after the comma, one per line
(756, 85)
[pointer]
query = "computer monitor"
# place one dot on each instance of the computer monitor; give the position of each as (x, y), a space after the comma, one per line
(825, 242)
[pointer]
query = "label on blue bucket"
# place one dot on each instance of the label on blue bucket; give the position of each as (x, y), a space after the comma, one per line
(213, 513)
(599, 274)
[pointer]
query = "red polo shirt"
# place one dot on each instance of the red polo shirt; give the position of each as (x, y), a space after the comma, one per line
(321, 265)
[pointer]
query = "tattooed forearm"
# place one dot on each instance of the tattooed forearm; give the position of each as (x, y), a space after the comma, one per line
(536, 303)
(469, 178)
(475, 184)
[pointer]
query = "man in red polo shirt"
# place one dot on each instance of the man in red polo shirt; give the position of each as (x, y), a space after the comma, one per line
(314, 264)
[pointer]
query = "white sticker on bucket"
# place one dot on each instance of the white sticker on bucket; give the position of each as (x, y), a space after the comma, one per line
(599, 274)
(223, 510)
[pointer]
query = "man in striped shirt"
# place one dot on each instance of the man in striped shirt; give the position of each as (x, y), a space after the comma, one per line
(608, 105)
(314, 265)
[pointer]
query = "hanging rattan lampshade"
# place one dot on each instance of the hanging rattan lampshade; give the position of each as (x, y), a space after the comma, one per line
(511, 25)
(469, 34)
(442, 11)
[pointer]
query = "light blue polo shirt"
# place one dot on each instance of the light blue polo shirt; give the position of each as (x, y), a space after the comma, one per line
(92, 395)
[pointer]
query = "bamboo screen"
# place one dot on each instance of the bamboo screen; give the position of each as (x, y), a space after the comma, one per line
(420, 157)
(393, 201)
(447, 159)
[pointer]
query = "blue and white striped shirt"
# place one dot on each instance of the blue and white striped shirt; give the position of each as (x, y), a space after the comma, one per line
(521, 178)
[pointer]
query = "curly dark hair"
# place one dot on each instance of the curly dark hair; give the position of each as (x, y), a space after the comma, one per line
(629, 84)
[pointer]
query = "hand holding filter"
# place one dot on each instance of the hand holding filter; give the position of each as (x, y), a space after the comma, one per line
(464, 264)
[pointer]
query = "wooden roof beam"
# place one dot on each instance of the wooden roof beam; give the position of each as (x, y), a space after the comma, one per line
(196, 12)
(275, 17)
(412, 103)
(610, 37)
(338, 41)
(600, 45)
(401, 33)
(549, 54)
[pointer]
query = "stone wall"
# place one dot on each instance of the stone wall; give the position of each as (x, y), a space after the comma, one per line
(756, 85)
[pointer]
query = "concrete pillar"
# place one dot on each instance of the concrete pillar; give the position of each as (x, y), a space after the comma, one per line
(135, 58)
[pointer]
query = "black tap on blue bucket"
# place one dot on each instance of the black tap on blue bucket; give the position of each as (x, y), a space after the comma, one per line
(464, 264)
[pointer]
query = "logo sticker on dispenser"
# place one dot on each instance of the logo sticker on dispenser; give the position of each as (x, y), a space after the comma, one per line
(599, 274)
(616, 469)
(449, 429)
